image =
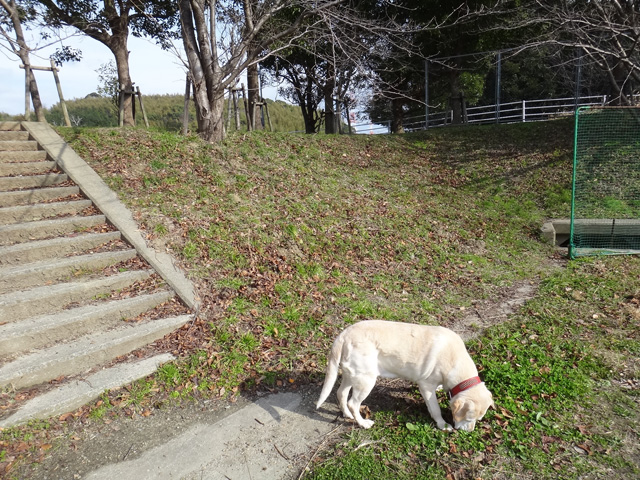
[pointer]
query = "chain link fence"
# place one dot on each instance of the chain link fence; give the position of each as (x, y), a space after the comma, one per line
(605, 209)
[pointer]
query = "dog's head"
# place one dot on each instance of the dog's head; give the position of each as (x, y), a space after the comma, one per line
(470, 406)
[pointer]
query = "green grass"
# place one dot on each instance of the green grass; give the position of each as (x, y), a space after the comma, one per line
(551, 370)
(290, 238)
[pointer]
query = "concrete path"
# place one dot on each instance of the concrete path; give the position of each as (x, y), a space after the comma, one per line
(271, 438)
(258, 441)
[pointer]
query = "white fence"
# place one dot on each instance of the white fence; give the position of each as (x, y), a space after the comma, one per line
(511, 112)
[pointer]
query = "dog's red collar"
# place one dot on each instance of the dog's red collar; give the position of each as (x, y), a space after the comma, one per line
(462, 386)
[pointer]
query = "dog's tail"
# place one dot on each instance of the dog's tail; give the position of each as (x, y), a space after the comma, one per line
(332, 370)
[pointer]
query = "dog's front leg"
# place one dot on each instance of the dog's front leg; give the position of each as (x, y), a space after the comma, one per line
(429, 394)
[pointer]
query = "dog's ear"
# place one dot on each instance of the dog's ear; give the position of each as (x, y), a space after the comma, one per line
(460, 408)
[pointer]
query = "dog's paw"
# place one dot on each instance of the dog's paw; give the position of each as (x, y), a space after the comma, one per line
(366, 423)
(445, 427)
(348, 415)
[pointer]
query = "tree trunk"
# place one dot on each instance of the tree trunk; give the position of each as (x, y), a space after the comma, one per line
(397, 114)
(23, 53)
(305, 95)
(204, 69)
(33, 90)
(329, 112)
(309, 106)
(253, 87)
(118, 46)
(210, 117)
(456, 96)
(309, 122)
(619, 82)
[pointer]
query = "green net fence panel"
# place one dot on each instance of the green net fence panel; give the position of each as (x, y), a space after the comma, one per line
(605, 208)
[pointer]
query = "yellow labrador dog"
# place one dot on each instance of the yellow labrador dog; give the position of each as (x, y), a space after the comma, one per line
(428, 356)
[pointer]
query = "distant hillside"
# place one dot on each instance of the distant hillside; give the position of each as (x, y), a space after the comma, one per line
(163, 112)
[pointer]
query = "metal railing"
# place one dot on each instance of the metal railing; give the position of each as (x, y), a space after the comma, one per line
(510, 112)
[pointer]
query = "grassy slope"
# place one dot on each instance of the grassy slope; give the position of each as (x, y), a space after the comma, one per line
(290, 238)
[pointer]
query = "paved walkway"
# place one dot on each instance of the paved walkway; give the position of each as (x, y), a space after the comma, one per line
(272, 438)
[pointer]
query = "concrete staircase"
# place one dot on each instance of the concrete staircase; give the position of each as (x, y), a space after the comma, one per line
(79, 288)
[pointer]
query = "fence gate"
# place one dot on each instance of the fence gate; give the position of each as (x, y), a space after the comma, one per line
(605, 207)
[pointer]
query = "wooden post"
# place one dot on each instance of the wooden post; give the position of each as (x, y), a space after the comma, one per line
(121, 107)
(144, 113)
(229, 105)
(463, 104)
(27, 94)
(498, 75)
(253, 114)
(246, 108)
(577, 90)
(54, 69)
(426, 94)
(235, 107)
(28, 71)
(121, 97)
(266, 111)
(185, 114)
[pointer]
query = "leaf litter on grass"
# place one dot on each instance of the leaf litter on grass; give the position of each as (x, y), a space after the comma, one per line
(289, 238)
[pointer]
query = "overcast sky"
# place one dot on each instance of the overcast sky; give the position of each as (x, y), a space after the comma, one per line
(153, 70)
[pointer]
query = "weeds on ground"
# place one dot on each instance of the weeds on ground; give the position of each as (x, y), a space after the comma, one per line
(564, 398)
(290, 238)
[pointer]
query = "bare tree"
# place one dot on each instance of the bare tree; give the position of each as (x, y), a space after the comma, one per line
(222, 38)
(316, 70)
(299, 75)
(11, 18)
(606, 32)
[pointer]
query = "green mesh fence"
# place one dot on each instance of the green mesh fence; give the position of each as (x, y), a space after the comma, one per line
(605, 208)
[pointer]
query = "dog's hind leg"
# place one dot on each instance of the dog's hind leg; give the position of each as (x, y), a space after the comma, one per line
(343, 393)
(362, 387)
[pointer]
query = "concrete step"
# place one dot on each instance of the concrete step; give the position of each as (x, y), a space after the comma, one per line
(10, 125)
(22, 277)
(40, 331)
(18, 156)
(25, 168)
(60, 315)
(25, 232)
(19, 145)
(16, 306)
(40, 211)
(53, 248)
(74, 394)
(32, 181)
(36, 195)
(6, 135)
(84, 353)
